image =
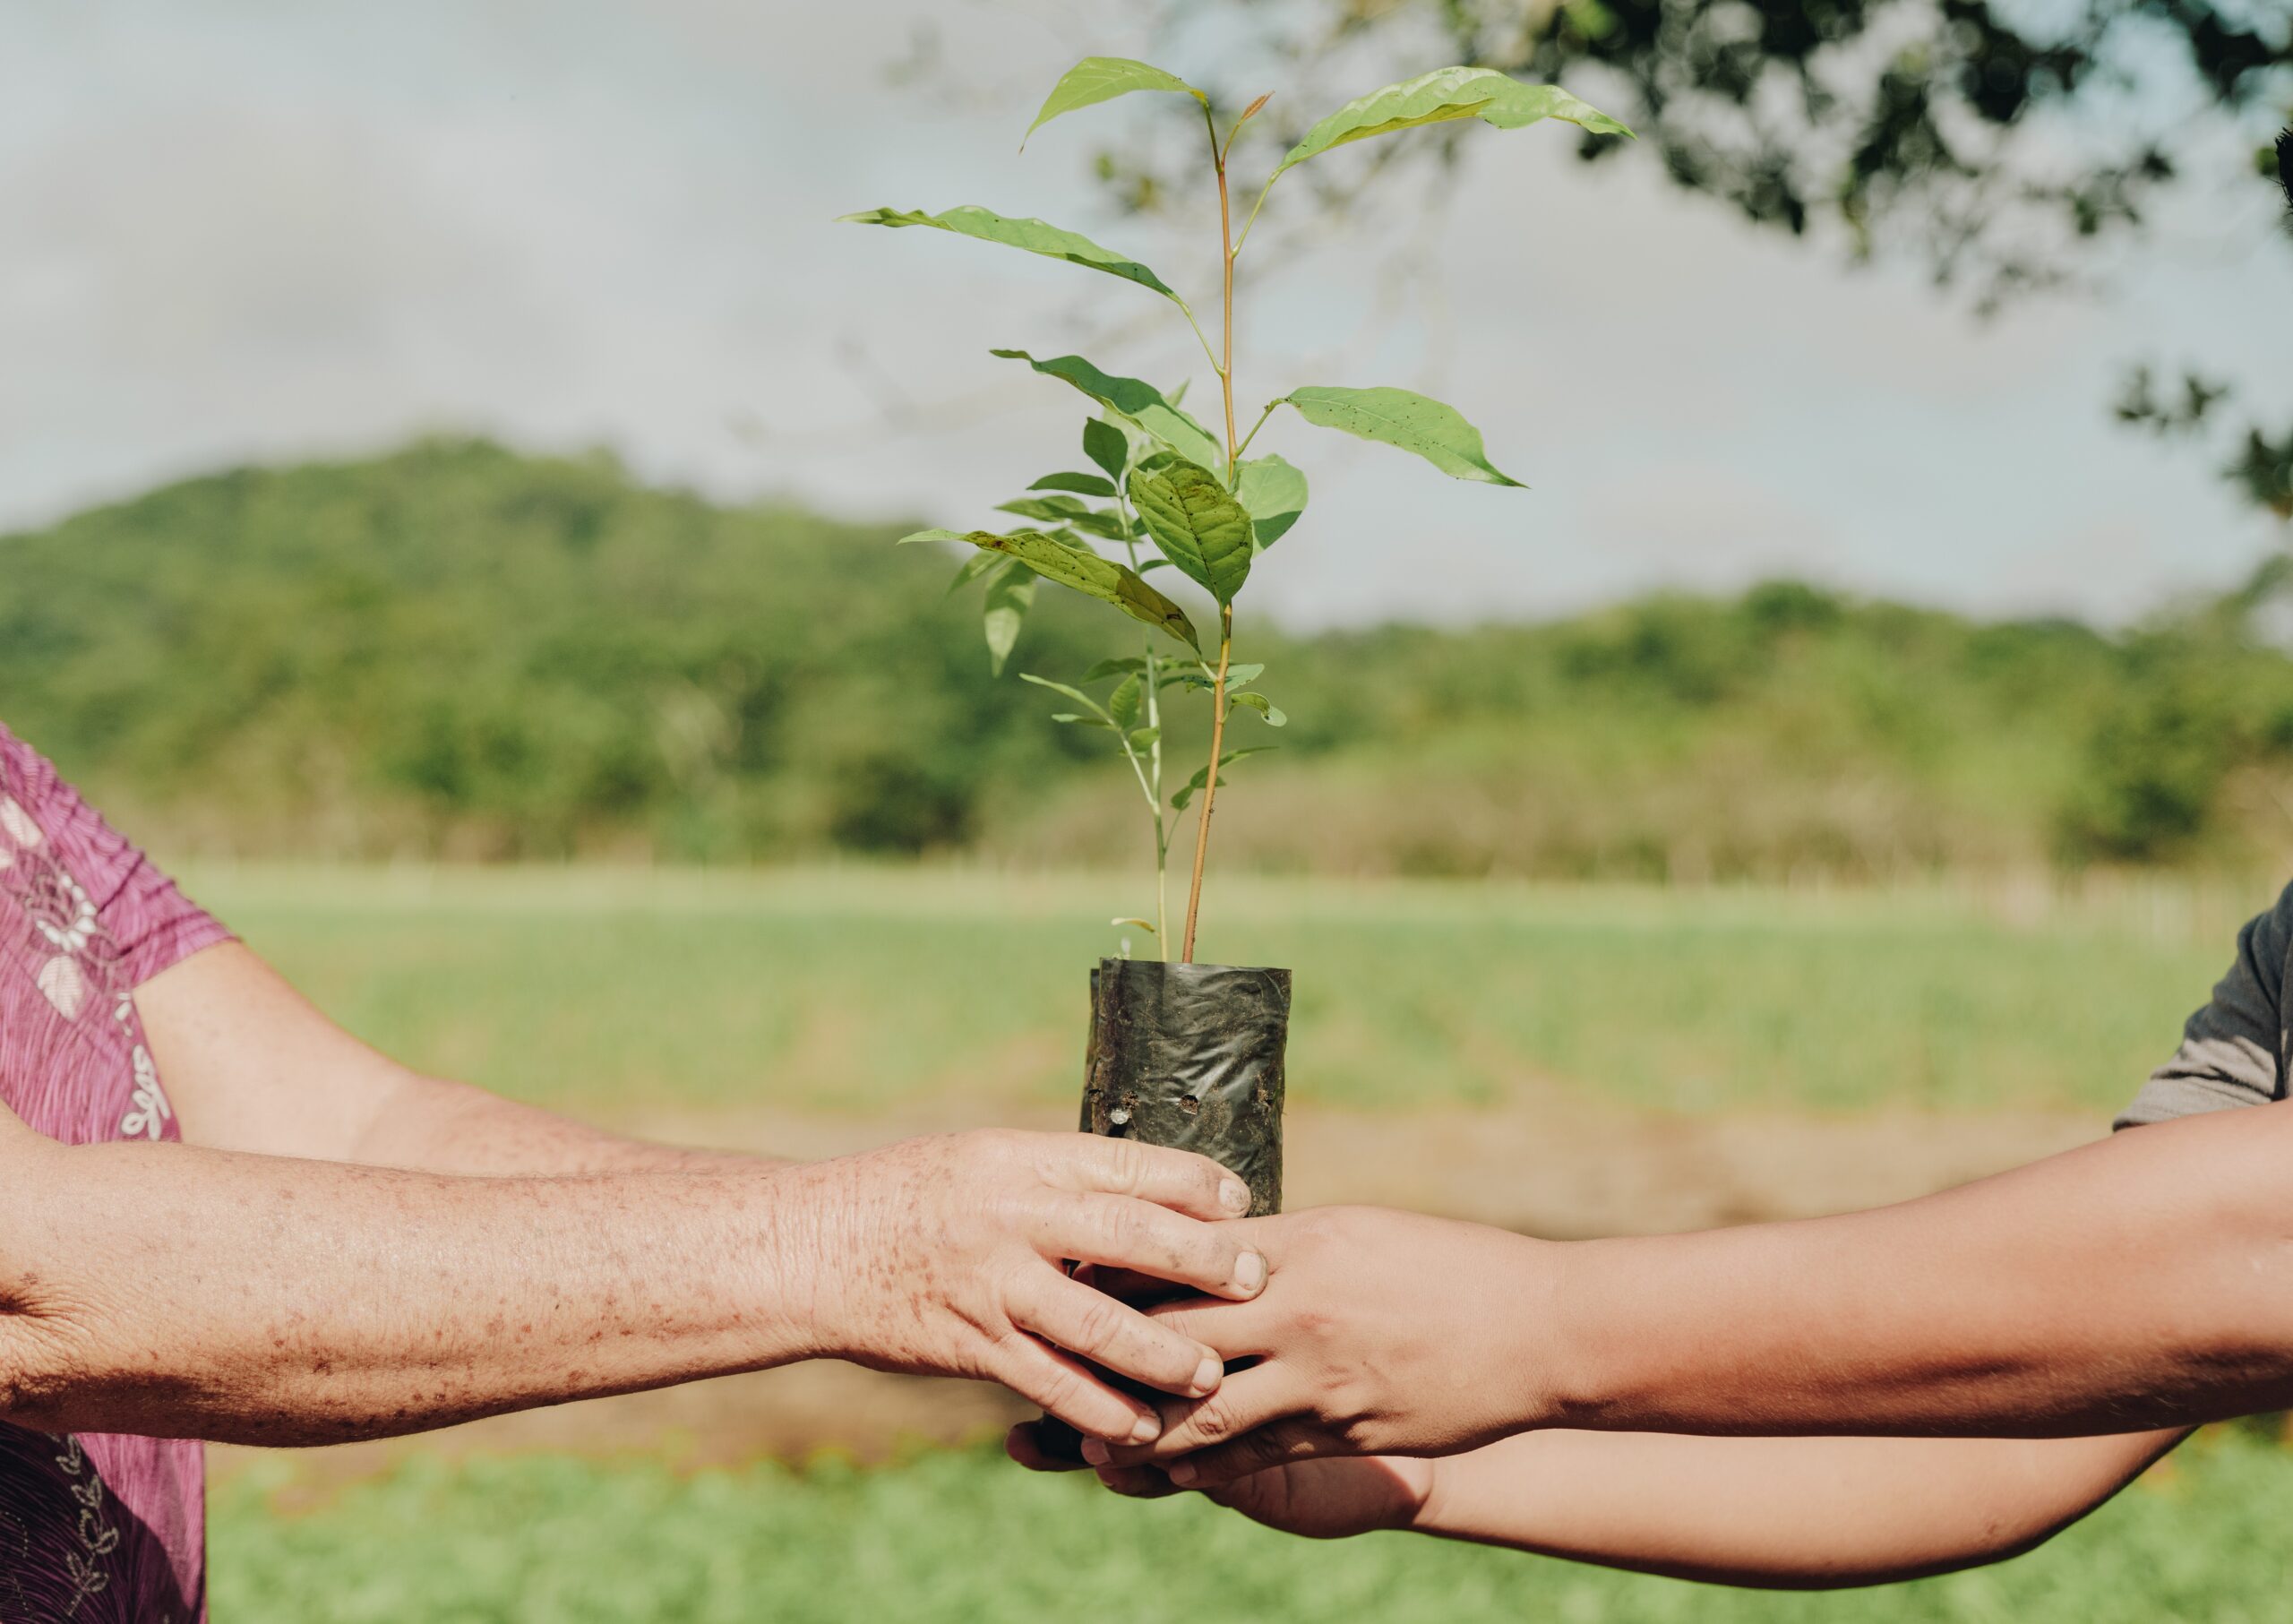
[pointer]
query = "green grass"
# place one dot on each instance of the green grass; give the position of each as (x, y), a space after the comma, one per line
(862, 989)
(552, 1540)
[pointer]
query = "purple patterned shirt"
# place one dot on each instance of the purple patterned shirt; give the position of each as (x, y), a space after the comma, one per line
(94, 1528)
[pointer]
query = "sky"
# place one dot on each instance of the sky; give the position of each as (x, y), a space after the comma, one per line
(243, 229)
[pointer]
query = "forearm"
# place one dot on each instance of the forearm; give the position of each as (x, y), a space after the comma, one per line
(2145, 1282)
(438, 1126)
(172, 1290)
(1782, 1513)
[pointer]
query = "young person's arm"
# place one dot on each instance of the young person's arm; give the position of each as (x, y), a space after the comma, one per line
(2141, 1284)
(1777, 1513)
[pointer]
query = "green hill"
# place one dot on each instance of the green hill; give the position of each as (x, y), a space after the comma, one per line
(460, 651)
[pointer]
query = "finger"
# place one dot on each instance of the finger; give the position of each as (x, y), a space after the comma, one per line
(1277, 1444)
(1059, 1384)
(1113, 1335)
(1246, 1401)
(1115, 1232)
(1137, 1482)
(1247, 1329)
(1023, 1445)
(1179, 1180)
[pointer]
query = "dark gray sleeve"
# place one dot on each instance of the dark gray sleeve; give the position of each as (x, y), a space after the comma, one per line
(2232, 1050)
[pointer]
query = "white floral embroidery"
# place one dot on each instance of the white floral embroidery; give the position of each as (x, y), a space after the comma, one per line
(85, 958)
(65, 983)
(17, 823)
(147, 1118)
(85, 1567)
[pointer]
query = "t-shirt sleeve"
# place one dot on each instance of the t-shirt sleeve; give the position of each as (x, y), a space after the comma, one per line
(150, 922)
(2232, 1050)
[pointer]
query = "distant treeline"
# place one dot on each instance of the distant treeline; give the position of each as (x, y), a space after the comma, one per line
(458, 650)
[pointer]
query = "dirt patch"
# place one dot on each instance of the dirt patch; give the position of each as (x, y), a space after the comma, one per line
(1563, 1169)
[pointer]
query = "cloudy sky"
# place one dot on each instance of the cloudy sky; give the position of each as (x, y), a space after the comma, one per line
(241, 229)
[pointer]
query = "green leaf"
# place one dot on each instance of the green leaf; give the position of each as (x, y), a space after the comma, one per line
(1009, 597)
(1258, 702)
(1143, 738)
(1200, 528)
(1098, 79)
(1446, 93)
(1035, 235)
(1107, 446)
(1194, 678)
(1077, 694)
(1123, 703)
(1087, 721)
(1107, 668)
(1194, 786)
(1066, 510)
(1141, 403)
(1414, 423)
(1082, 485)
(973, 567)
(1274, 493)
(1085, 572)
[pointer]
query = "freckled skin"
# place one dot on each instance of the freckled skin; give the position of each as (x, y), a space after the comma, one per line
(341, 1248)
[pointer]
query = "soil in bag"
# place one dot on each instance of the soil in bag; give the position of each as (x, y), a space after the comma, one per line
(1191, 1056)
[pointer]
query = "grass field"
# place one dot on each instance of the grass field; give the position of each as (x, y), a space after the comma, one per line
(965, 1537)
(885, 991)
(873, 988)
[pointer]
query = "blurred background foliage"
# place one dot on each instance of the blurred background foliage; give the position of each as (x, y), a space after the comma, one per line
(461, 651)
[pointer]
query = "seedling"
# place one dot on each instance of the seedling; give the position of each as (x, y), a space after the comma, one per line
(1207, 507)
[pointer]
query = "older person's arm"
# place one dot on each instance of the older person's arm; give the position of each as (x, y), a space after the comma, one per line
(251, 1065)
(179, 1291)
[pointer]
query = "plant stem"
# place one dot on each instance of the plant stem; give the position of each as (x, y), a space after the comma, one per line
(1150, 778)
(1225, 610)
(1210, 785)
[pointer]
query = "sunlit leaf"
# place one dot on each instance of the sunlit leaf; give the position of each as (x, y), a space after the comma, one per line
(1141, 403)
(1414, 423)
(1035, 235)
(1141, 924)
(1098, 79)
(1446, 93)
(1123, 703)
(1009, 597)
(1082, 485)
(1195, 784)
(1199, 526)
(1084, 572)
(1274, 493)
(1107, 668)
(1258, 702)
(1107, 446)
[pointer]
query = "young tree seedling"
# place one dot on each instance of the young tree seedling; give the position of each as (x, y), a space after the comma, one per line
(1209, 509)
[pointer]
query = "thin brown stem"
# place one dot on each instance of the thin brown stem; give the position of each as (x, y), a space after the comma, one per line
(1210, 785)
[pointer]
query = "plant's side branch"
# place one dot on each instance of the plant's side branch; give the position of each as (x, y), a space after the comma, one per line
(1151, 779)
(1232, 475)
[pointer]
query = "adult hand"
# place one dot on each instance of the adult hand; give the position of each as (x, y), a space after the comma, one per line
(946, 1256)
(1378, 1333)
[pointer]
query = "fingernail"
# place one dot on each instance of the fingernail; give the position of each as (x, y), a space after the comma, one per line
(1250, 1271)
(1146, 1430)
(1207, 1376)
(1234, 1196)
(1095, 1452)
(1182, 1473)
